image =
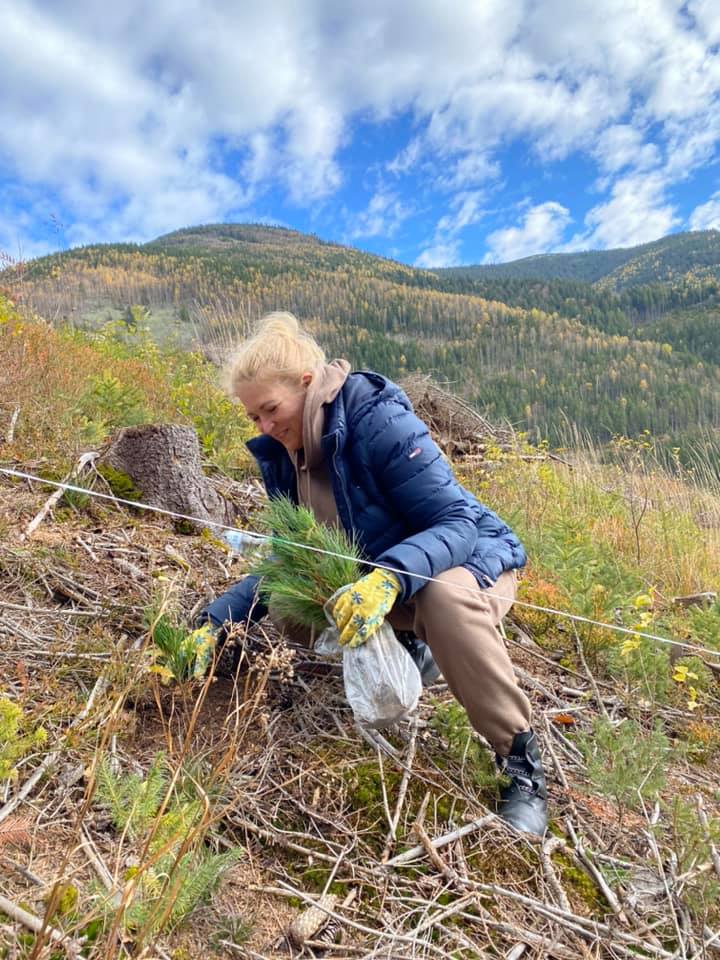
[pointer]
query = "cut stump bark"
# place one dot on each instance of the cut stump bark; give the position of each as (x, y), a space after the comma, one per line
(164, 463)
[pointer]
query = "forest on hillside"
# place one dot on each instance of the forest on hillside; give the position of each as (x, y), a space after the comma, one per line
(662, 260)
(151, 809)
(684, 314)
(540, 354)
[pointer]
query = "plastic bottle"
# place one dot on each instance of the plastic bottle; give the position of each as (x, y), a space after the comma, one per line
(242, 543)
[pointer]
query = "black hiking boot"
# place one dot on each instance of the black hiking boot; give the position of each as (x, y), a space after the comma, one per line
(523, 803)
(421, 655)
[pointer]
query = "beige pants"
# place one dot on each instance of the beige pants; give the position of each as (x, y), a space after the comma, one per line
(458, 620)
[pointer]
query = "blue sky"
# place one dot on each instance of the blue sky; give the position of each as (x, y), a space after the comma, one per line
(432, 131)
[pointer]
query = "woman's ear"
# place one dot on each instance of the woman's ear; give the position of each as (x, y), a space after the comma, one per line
(306, 379)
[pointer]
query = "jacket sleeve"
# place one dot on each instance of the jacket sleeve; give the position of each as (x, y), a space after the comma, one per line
(239, 604)
(420, 486)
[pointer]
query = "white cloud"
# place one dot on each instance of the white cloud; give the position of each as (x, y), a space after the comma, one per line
(406, 159)
(131, 112)
(465, 209)
(637, 212)
(690, 144)
(621, 145)
(707, 15)
(384, 214)
(541, 231)
(707, 215)
(471, 170)
(493, 110)
(440, 255)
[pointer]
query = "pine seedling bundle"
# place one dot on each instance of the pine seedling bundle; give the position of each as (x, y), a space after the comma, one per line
(298, 582)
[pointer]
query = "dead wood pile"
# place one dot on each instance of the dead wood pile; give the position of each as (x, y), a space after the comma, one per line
(460, 431)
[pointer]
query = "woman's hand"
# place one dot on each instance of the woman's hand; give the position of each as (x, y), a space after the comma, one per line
(363, 606)
(200, 644)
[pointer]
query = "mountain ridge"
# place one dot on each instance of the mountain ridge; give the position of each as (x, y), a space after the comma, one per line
(593, 266)
(538, 353)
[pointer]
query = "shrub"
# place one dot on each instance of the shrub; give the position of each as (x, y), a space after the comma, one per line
(624, 761)
(16, 740)
(106, 404)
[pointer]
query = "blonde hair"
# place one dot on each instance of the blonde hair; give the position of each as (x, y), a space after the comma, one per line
(278, 349)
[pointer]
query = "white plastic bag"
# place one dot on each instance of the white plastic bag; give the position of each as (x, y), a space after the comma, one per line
(382, 683)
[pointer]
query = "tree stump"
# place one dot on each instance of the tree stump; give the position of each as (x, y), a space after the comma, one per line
(163, 461)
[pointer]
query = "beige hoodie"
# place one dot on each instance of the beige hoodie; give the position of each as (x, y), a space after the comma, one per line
(313, 478)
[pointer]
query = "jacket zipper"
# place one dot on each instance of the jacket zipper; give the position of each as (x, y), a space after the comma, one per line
(342, 482)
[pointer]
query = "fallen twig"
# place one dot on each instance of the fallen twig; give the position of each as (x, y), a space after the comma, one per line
(10, 435)
(596, 874)
(52, 500)
(433, 856)
(48, 611)
(287, 890)
(546, 851)
(702, 817)
(36, 924)
(402, 791)
(588, 671)
(409, 855)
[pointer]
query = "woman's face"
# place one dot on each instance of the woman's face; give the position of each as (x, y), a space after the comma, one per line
(276, 408)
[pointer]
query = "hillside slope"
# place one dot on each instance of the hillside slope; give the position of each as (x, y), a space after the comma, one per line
(539, 360)
(145, 816)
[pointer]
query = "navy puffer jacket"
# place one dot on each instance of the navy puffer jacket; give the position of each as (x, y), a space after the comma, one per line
(395, 493)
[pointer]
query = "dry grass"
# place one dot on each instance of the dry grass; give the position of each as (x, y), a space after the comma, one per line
(293, 781)
(45, 373)
(317, 805)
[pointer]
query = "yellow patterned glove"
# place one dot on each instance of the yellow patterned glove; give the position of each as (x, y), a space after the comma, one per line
(363, 606)
(199, 646)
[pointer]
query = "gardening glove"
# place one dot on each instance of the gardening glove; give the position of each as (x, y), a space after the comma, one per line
(361, 609)
(203, 641)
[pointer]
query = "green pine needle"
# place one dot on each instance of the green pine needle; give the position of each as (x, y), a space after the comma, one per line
(177, 650)
(297, 582)
(174, 882)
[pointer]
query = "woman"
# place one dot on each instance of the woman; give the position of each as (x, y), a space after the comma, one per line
(349, 446)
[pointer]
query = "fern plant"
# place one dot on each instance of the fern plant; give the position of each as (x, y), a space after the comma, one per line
(181, 871)
(297, 581)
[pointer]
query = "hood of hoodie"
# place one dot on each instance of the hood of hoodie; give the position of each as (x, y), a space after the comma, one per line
(326, 384)
(314, 485)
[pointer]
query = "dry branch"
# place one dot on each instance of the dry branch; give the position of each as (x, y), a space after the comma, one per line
(10, 435)
(292, 773)
(52, 500)
(596, 874)
(402, 791)
(37, 925)
(702, 817)
(409, 855)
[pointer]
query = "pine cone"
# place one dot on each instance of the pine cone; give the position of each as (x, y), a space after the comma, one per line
(311, 922)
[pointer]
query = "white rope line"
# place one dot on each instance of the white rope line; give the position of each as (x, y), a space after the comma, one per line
(577, 618)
